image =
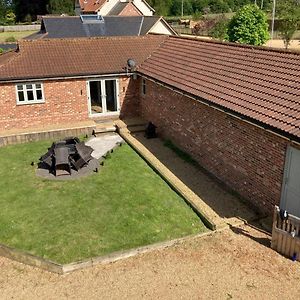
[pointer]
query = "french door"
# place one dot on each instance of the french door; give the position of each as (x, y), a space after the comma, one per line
(103, 96)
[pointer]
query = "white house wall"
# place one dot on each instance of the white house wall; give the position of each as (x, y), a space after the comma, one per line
(141, 6)
(107, 7)
(161, 28)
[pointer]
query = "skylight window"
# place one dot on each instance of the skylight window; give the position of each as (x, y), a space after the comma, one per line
(91, 19)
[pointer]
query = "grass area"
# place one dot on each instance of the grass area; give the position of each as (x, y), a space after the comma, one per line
(16, 34)
(125, 205)
(182, 154)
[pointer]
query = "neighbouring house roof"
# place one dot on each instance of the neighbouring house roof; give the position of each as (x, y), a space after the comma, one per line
(119, 7)
(72, 27)
(38, 59)
(258, 83)
(91, 5)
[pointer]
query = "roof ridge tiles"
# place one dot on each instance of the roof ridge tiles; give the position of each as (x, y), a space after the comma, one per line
(245, 46)
(54, 40)
(242, 97)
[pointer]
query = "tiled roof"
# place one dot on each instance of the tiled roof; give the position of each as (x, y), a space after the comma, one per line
(72, 27)
(118, 8)
(256, 82)
(75, 57)
(91, 5)
(259, 84)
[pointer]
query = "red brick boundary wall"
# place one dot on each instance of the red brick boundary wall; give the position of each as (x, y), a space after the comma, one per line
(246, 158)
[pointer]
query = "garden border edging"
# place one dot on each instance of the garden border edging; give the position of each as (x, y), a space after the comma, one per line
(61, 269)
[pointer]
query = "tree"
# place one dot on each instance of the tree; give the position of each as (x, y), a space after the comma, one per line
(288, 12)
(162, 7)
(219, 31)
(23, 8)
(10, 17)
(248, 26)
(61, 7)
(176, 7)
(3, 10)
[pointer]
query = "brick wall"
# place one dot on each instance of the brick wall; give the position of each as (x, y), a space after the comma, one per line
(129, 97)
(130, 10)
(65, 102)
(246, 158)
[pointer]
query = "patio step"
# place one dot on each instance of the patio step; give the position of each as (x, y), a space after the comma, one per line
(132, 125)
(105, 127)
(137, 128)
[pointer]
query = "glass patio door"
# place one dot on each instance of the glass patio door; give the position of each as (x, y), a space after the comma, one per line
(103, 96)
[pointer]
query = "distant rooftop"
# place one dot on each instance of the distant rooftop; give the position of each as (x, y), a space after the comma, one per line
(96, 26)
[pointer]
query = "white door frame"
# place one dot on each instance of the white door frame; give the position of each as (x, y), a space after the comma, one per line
(290, 194)
(287, 165)
(103, 97)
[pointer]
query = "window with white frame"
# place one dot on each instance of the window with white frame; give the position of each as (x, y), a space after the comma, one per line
(30, 93)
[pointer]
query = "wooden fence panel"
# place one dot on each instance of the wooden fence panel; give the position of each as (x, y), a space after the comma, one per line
(286, 235)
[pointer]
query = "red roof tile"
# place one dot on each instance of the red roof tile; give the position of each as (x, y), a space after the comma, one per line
(257, 82)
(91, 5)
(74, 57)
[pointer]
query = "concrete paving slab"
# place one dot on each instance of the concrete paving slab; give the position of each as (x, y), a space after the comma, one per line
(103, 143)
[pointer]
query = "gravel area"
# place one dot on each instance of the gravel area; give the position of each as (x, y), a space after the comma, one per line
(232, 264)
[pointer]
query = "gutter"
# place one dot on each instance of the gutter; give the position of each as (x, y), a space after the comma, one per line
(66, 77)
(280, 133)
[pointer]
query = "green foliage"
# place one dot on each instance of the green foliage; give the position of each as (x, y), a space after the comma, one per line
(3, 11)
(248, 26)
(10, 39)
(10, 18)
(1, 50)
(173, 7)
(33, 8)
(61, 7)
(176, 8)
(212, 26)
(197, 15)
(288, 13)
(219, 31)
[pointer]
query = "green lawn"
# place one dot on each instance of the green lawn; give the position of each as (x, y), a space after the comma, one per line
(123, 206)
(16, 34)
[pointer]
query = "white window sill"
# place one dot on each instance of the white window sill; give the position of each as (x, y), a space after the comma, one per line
(30, 103)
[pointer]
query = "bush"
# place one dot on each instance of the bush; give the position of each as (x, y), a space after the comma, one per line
(219, 31)
(10, 18)
(1, 50)
(10, 39)
(248, 26)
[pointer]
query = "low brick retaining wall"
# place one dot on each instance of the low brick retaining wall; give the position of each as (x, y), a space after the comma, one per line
(45, 135)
